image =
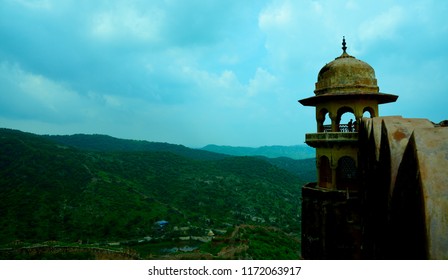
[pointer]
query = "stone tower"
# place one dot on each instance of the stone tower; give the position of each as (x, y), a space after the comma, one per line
(331, 227)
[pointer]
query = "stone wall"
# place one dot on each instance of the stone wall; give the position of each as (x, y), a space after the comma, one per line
(404, 189)
(400, 210)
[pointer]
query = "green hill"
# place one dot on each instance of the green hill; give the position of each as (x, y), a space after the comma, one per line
(304, 167)
(105, 143)
(294, 152)
(103, 196)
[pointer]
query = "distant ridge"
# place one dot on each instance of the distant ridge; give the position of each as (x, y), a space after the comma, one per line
(106, 143)
(284, 157)
(294, 152)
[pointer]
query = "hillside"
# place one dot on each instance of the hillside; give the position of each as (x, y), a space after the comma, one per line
(304, 169)
(105, 143)
(295, 152)
(55, 192)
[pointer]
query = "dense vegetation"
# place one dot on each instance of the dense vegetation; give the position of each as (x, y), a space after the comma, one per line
(298, 159)
(105, 143)
(50, 191)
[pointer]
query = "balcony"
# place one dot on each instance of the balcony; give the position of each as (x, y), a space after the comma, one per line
(328, 139)
(312, 190)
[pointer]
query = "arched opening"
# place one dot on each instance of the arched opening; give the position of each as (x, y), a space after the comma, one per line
(368, 112)
(346, 120)
(323, 121)
(346, 173)
(324, 172)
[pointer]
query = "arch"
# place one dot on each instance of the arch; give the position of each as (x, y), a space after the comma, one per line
(322, 125)
(346, 173)
(325, 177)
(347, 120)
(369, 110)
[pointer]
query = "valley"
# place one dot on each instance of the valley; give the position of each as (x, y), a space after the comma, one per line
(53, 192)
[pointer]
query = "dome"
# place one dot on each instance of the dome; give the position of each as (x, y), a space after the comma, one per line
(346, 75)
(347, 79)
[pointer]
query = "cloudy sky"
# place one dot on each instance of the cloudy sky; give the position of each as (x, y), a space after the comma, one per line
(198, 72)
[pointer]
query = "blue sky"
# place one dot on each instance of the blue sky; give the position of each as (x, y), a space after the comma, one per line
(199, 72)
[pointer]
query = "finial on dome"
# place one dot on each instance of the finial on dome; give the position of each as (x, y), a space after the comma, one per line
(344, 48)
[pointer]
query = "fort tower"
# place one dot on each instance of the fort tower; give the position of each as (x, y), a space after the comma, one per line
(346, 91)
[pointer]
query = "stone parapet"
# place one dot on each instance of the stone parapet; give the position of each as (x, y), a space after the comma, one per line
(328, 138)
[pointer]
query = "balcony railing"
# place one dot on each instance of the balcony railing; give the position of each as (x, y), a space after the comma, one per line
(342, 128)
(327, 128)
(328, 138)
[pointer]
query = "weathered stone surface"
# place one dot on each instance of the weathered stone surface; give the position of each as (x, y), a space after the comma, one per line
(346, 74)
(430, 146)
(395, 135)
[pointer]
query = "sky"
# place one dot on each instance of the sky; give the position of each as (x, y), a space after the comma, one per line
(198, 72)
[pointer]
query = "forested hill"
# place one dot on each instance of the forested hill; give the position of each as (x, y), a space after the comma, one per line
(51, 191)
(298, 159)
(105, 143)
(304, 168)
(295, 152)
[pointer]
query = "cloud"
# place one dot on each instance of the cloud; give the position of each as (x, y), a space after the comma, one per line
(127, 23)
(382, 26)
(228, 72)
(262, 83)
(35, 4)
(276, 16)
(33, 96)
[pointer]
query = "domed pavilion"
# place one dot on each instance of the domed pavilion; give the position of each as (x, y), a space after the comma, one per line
(346, 84)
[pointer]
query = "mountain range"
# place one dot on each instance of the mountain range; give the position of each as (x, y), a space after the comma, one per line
(294, 152)
(298, 159)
